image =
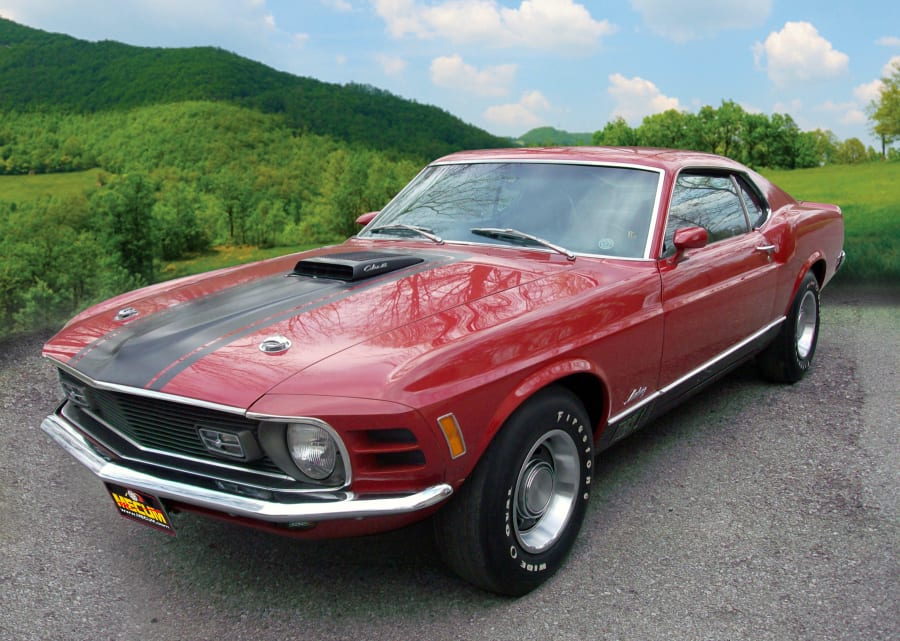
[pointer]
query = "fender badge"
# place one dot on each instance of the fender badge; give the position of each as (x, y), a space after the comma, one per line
(275, 345)
(636, 394)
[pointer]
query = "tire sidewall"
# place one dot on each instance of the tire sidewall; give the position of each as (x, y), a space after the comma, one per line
(557, 410)
(798, 366)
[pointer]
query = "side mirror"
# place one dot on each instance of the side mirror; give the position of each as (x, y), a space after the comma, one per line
(365, 219)
(689, 238)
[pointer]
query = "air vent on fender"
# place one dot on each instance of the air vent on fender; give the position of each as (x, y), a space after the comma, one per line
(353, 266)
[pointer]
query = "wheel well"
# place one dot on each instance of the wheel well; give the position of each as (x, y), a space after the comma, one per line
(818, 270)
(590, 391)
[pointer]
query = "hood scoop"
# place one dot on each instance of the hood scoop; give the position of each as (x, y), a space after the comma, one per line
(353, 266)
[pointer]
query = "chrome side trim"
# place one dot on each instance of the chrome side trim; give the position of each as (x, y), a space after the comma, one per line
(139, 391)
(335, 505)
(694, 372)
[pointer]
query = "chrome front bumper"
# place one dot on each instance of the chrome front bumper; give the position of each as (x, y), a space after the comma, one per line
(341, 505)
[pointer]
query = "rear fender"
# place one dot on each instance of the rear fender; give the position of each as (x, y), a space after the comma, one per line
(814, 263)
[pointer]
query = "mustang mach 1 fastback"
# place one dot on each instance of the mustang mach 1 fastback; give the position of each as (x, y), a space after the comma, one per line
(507, 316)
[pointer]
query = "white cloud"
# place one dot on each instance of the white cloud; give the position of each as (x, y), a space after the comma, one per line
(338, 5)
(561, 25)
(10, 13)
(798, 54)
(751, 109)
(793, 107)
(521, 116)
(636, 98)
(452, 72)
(391, 65)
(888, 41)
(849, 113)
(691, 19)
(868, 92)
(854, 117)
(892, 65)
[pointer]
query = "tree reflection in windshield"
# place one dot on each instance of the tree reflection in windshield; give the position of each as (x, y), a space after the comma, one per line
(591, 209)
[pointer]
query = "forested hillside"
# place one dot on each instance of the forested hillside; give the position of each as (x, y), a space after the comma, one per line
(40, 71)
(188, 148)
(171, 180)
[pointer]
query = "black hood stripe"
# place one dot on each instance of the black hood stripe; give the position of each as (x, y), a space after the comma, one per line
(149, 352)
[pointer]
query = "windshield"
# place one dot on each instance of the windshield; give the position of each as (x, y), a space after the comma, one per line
(583, 208)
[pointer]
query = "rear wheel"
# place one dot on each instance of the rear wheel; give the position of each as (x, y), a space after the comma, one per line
(788, 357)
(512, 523)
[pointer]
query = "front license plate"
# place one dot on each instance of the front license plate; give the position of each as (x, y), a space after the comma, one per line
(140, 507)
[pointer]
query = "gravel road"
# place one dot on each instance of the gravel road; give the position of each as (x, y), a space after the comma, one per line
(752, 512)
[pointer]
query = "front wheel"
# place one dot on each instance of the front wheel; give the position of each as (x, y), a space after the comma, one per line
(513, 522)
(789, 356)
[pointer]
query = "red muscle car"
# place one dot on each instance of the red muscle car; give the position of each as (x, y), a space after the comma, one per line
(507, 316)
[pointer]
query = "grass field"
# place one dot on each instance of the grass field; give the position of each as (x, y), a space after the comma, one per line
(20, 188)
(869, 195)
(224, 256)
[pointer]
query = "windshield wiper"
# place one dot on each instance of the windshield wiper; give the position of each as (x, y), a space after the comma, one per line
(418, 231)
(515, 234)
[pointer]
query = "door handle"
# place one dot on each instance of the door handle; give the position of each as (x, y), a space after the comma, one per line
(769, 249)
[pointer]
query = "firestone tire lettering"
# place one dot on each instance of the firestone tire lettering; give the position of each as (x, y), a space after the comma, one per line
(543, 458)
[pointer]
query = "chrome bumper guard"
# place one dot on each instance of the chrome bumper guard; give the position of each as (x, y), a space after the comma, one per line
(345, 505)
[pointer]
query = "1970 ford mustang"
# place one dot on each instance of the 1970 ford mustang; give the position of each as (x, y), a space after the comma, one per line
(507, 316)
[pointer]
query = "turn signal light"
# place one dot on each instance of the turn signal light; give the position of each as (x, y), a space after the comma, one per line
(450, 427)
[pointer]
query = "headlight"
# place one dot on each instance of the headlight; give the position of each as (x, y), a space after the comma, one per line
(312, 449)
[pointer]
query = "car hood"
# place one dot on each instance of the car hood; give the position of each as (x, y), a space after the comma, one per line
(202, 337)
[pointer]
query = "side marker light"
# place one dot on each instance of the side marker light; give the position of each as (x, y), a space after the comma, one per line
(450, 427)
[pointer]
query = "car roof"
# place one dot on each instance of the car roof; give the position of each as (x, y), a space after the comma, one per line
(669, 159)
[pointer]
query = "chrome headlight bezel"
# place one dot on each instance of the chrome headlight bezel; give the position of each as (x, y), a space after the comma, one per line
(273, 437)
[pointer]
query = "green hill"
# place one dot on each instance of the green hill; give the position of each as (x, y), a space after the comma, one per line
(41, 71)
(551, 137)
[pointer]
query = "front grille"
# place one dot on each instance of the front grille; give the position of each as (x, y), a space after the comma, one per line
(166, 426)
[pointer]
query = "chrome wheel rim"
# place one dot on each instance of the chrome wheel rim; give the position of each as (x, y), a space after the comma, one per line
(806, 324)
(546, 490)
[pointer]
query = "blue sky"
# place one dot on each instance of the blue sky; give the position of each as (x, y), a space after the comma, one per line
(511, 65)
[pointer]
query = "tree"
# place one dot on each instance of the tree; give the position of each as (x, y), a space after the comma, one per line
(885, 112)
(175, 224)
(822, 144)
(720, 131)
(123, 219)
(52, 265)
(851, 151)
(666, 129)
(616, 133)
(783, 138)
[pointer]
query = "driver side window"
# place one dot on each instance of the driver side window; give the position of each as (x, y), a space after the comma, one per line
(707, 200)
